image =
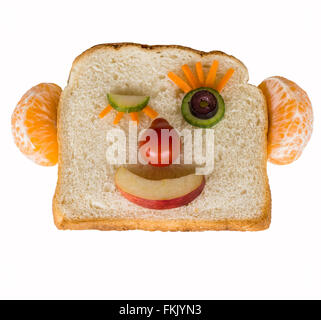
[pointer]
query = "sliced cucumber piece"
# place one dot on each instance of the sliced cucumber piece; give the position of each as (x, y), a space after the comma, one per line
(203, 107)
(127, 103)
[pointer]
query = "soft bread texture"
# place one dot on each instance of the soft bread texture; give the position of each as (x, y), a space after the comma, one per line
(236, 195)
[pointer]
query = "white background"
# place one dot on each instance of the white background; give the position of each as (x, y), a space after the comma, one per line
(39, 40)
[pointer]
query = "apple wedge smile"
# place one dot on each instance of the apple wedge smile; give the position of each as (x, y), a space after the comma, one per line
(159, 194)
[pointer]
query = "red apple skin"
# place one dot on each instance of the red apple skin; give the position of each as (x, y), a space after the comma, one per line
(165, 204)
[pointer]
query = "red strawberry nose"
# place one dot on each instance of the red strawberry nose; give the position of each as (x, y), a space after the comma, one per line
(162, 149)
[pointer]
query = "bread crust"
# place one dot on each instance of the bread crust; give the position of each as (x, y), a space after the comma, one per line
(261, 222)
(257, 224)
(119, 45)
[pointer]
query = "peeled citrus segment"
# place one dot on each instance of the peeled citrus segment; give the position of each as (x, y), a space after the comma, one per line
(290, 119)
(34, 124)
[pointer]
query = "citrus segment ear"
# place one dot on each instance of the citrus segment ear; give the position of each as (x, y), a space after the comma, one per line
(34, 124)
(290, 119)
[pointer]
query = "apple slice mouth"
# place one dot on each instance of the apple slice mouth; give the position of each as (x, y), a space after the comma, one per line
(159, 194)
(159, 173)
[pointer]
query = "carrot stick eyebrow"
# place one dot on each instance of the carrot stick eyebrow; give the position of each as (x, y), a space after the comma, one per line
(190, 77)
(211, 75)
(179, 82)
(225, 79)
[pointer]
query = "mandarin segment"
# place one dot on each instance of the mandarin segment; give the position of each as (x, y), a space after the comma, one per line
(290, 119)
(34, 123)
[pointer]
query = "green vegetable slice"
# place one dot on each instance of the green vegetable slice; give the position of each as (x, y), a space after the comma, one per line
(127, 103)
(199, 122)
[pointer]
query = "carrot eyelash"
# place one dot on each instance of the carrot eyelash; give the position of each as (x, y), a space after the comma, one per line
(200, 73)
(134, 117)
(200, 81)
(150, 112)
(190, 77)
(105, 111)
(119, 115)
(211, 75)
(179, 82)
(225, 79)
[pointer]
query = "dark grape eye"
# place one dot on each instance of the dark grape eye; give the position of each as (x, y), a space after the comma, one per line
(203, 107)
(203, 104)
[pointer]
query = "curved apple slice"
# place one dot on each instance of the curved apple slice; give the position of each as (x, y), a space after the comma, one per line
(158, 194)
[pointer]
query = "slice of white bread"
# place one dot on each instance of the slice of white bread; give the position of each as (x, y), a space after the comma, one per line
(236, 195)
